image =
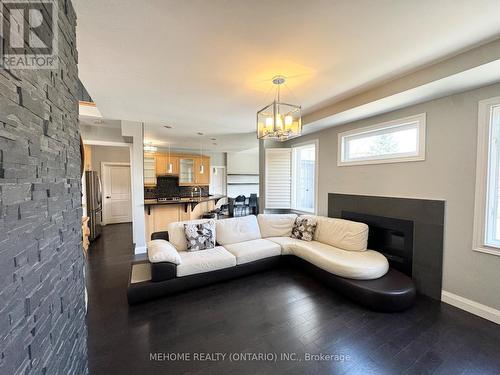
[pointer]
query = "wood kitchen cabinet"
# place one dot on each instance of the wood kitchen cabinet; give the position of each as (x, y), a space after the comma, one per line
(186, 166)
(187, 171)
(162, 165)
(202, 178)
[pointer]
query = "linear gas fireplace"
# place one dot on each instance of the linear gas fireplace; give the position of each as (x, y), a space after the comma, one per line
(391, 237)
(409, 232)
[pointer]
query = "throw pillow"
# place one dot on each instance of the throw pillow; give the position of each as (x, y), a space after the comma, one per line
(163, 251)
(200, 236)
(304, 228)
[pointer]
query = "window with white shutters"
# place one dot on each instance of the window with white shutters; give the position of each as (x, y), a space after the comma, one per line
(278, 178)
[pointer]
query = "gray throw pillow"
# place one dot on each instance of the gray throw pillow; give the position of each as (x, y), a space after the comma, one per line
(304, 228)
(200, 236)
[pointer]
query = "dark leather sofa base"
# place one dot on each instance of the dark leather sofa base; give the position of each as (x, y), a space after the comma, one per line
(148, 290)
(392, 292)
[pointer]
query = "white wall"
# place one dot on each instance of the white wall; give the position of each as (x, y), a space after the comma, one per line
(245, 162)
(101, 134)
(135, 131)
(109, 154)
(448, 173)
(216, 158)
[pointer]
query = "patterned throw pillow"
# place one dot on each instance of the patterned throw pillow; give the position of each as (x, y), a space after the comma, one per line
(200, 236)
(304, 228)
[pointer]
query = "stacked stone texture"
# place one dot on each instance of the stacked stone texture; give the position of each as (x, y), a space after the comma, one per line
(42, 304)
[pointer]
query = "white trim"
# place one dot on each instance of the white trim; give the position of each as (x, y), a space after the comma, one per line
(140, 249)
(92, 142)
(103, 176)
(473, 307)
(420, 119)
(482, 165)
(316, 176)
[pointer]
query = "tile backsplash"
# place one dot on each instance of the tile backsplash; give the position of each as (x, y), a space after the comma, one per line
(169, 187)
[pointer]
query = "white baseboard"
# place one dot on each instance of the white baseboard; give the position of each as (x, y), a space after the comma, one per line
(140, 249)
(473, 307)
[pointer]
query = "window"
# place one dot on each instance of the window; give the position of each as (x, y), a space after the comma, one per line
(291, 178)
(304, 178)
(487, 204)
(391, 142)
(278, 178)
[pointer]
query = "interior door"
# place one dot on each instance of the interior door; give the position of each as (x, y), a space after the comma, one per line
(117, 199)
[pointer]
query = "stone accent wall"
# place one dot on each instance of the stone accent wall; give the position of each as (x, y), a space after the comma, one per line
(42, 303)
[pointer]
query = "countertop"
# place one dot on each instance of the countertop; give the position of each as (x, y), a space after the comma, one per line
(154, 202)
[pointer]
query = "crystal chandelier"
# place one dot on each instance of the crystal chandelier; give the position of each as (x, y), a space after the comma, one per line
(279, 121)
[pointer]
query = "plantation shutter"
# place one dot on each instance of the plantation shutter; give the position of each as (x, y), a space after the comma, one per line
(278, 178)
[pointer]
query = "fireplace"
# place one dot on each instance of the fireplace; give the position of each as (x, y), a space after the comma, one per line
(410, 233)
(391, 237)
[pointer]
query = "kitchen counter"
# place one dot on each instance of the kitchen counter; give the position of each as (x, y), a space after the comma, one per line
(154, 202)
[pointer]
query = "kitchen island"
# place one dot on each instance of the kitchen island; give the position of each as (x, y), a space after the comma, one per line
(158, 214)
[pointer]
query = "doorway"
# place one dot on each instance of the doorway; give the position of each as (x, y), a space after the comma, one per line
(117, 193)
(218, 181)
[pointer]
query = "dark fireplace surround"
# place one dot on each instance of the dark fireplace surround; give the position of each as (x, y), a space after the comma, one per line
(409, 232)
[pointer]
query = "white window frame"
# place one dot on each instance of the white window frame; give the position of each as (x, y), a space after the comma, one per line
(388, 126)
(484, 185)
(314, 142)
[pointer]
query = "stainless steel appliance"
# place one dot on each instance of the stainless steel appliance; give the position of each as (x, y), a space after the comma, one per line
(94, 203)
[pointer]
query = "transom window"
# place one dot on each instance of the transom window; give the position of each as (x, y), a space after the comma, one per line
(390, 142)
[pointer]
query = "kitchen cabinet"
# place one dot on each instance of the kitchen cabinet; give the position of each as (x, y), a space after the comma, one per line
(186, 171)
(202, 178)
(162, 161)
(186, 166)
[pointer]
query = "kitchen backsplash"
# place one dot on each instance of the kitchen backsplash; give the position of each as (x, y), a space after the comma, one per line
(169, 187)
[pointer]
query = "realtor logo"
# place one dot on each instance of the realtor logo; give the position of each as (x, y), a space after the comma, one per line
(29, 31)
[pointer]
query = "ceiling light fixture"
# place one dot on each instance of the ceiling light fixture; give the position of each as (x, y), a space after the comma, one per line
(280, 121)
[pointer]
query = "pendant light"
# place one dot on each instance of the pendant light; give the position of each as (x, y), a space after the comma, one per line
(279, 121)
(170, 166)
(202, 167)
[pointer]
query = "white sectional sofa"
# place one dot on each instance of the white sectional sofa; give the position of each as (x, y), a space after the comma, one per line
(248, 244)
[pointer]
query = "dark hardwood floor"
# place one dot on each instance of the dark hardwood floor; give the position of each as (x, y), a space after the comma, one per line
(280, 311)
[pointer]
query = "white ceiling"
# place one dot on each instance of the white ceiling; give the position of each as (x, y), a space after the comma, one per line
(206, 65)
